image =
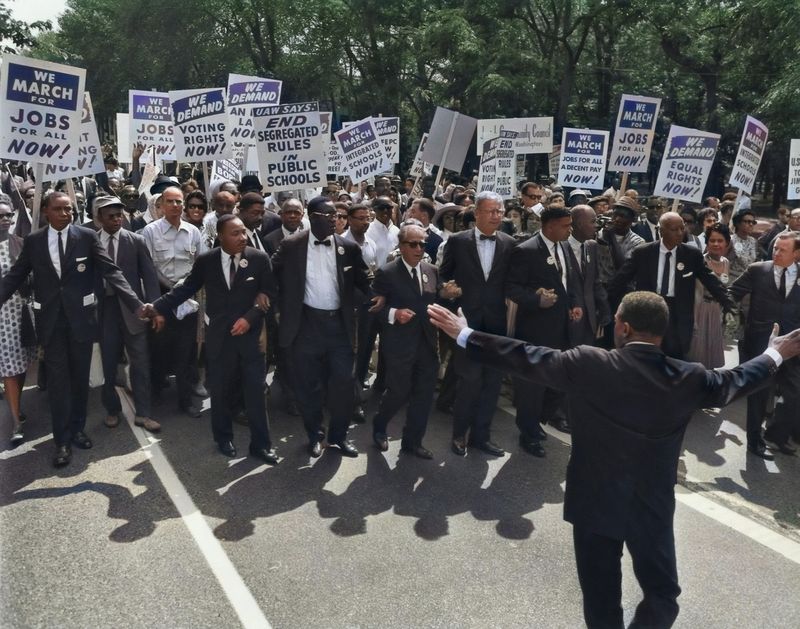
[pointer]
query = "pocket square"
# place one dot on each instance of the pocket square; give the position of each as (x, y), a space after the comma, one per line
(347, 268)
(689, 274)
(80, 259)
(250, 279)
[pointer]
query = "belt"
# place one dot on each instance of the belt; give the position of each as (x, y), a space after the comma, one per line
(321, 313)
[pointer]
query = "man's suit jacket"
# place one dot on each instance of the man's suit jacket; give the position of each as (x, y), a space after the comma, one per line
(225, 305)
(289, 264)
(628, 412)
(767, 306)
(432, 242)
(272, 241)
(594, 299)
(394, 282)
(643, 230)
(483, 300)
(133, 259)
(74, 291)
(532, 267)
(270, 223)
(642, 269)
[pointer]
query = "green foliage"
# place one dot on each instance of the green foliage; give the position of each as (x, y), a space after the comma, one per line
(15, 34)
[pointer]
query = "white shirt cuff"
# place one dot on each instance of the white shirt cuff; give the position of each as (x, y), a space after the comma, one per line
(775, 355)
(461, 341)
(392, 312)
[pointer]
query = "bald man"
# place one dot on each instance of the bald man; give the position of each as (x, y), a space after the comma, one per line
(669, 267)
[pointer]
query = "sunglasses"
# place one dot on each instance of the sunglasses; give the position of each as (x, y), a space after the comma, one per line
(195, 206)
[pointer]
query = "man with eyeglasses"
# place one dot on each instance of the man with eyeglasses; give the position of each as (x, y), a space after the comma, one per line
(530, 195)
(222, 203)
(792, 225)
(174, 245)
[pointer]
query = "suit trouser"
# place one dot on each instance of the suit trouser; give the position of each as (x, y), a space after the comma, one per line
(115, 334)
(235, 373)
(672, 340)
(413, 370)
(535, 404)
(175, 346)
(321, 350)
(368, 326)
(67, 361)
(476, 398)
(786, 417)
(651, 544)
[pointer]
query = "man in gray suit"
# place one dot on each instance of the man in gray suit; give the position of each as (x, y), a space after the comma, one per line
(120, 327)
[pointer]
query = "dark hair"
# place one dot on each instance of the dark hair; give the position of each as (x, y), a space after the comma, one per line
(706, 211)
(224, 220)
(645, 312)
(316, 203)
(382, 203)
(529, 184)
(719, 228)
(553, 213)
(355, 208)
(426, 206)
(739, 217)
(250, 198)
(49, 197)
(726, 207)
(197, 194)
(339, 205)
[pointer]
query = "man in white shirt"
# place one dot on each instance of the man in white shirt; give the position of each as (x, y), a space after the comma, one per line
(382, 231)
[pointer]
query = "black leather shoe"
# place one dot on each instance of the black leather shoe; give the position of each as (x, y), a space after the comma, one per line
(63, 456)
(190, 409)
(381, 441)
(532, 447)
(227, 448)
(418, 451)
(268, 456)
(359, 417)
(490, 448)
(346, 448)
(560, 424)
(81, 440)
(315, 449)
(459, 447)
(780, 446)
(760, 450)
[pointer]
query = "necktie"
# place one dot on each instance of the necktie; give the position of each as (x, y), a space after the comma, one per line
(665, 275)
(559, 268)
(782, 287)
(484, 237)
(583, 255)
(415, 277)
(232, 272)
(658, 233)
(256, 240)
(327, 243)
(61, 251)
(111, 254)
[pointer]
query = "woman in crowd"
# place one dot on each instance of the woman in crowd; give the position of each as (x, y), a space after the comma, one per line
(196, 208)
(14, 355)
(708, 346)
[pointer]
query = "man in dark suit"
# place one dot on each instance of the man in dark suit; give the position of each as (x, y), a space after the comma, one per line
(318, 274)
(669, 267)
(630, 414)
(543, 284)
(120, 328)
(64, 260)
(774, 297)
(649, 228)
(291, 213)
(583, 258)
(236, 278)
(409, 286)
(251, 213)
(473, 269)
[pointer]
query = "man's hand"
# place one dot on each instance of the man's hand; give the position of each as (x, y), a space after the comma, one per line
(240, 327)
(547, 297)
(137, 151)
(576, 314)
(403, 315)
(378, 302)
(262, 302)
(158, 323)
(787, 345)
(146, 311)
(450, 290)
(446, 321)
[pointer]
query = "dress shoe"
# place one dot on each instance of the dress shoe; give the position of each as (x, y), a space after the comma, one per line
(490, 448)
(199, 390)
(459, 447)
(17, 437)
(267, 456)
(359, 417)
(760, 450)
(540, 432)
(227, 448)
(381, 441)
(560, 424)
(418, 451)
(780, 446)
(22, 418)
(532, 447)
(147, 423)
(315, 449)
(190, 409)
(112, 421)
(81, 440)
(346, 448)
(63, 456)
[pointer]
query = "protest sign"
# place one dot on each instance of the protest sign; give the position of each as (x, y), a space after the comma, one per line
(633, 136)
(40, 111)
(90, 155)
(534, 135)
(487, 171)
(335, 166)
(363, 153)
(449, 139)
(748, 159)
(244, 94)
(793, 191)
(420, 168)
(200, 124)
(229, 169)
(554, 159)
(520, 173)
(583, 158)
(389, 132)
(151, 122)
(124, 146)
(686, 164)
(506, 164)
(292, 152)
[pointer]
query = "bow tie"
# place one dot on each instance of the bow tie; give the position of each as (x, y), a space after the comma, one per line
(484, 237)
(327, 243)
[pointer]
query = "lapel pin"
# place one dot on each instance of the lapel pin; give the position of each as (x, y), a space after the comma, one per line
(81, 267)
(243, 263)
(340, 250)
(680, 266)
(724, 278)
(550, 260)
(424, 278)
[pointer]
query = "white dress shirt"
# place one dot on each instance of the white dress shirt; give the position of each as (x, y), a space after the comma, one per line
(225, 259)
(105, 237)
(662, 252)
(368, 250)
(486, 249)
(386, 238)
(553, 247)
(287, 233)
(791, 277)
(322, 284)
(52, 245)
(576, 246)
(410, 270)
(253, 236)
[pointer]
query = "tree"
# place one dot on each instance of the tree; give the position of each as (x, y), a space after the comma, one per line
(16, 34)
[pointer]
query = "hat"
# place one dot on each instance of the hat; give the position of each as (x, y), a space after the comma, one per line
(161, 183)
(450, 208)
(106, 201)
(628, 204)
(578, 192)
(597, 199)
(250, 183)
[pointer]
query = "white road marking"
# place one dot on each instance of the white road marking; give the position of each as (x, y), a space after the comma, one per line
(237, 592)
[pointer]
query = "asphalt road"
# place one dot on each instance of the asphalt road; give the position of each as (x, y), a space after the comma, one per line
(166, 532)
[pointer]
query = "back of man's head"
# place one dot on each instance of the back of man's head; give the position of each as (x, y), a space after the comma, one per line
(647, 313)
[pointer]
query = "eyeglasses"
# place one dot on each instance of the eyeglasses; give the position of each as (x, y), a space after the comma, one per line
(532, 196)
(6, 216)
(416, 244)
(341, 216)
(195, 206)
